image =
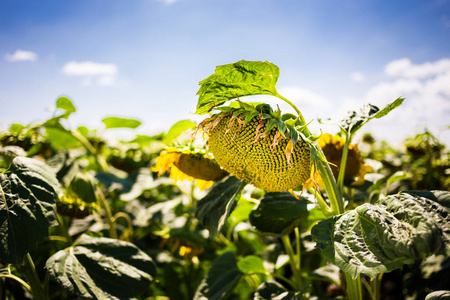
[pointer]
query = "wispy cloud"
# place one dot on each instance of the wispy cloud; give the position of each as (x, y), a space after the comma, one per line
(102, 74)
(405, 68)
(426, 90)
(21, 55)
(168, 1)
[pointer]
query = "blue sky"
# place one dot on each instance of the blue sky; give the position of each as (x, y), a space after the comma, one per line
(144, 58)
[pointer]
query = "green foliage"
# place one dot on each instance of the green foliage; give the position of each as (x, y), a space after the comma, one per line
(97, 268)
(243, 78)
(379, 238)
(117, 122)
(27, 207)
(214, 209)
(83, 218)
(354, 121)
(278, 213)
(222, 278)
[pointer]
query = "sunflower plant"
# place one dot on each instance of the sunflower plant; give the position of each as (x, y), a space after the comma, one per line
(276, 152)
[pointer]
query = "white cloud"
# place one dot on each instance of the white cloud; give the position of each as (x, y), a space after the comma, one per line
(426, 89)
(357, 76)
(102, 74)
(404, 68)
(21, 55)
(89, 68)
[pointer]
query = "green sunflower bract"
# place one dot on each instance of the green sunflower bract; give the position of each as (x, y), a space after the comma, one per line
(264, 159)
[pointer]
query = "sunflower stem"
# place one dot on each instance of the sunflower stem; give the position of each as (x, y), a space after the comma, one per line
(109, 216)
(343, 166)
(354, 290)
(30, 273)
(292, 261)
(18, 279)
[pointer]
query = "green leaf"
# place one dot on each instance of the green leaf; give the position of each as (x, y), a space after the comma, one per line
(60, 138)
(243, 78)
(396, 230)
(438, 295)
(83, 186)
(213, 209)
(251, 264)
(64, 103)
(116, 122)
(27, 207)
(354, 121)
(278, 213)
(273, 290)
(397, 176)
(102, 268)
(221, 280)
(177, 129)
(397, 102)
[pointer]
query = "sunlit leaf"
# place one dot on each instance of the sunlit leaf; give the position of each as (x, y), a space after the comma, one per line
(355, 120)
(243, 78)
(102, 268)
(65, 104)
(27, 207)
(117, 122)
(60, 138)
(251, 264)
(438, 295)
(177, 129)
(379, 238)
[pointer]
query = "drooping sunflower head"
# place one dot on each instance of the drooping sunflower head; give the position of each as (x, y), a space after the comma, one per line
(190, 164)
(333, 147)
(256, 146)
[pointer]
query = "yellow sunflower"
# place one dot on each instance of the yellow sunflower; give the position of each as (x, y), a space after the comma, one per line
(190, 165)
(333, 147)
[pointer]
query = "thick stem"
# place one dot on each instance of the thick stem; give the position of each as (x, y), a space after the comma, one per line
(300, 116)
(30, 273)
(334, 195)
(376, 287)
(343, 166)
(354, 290)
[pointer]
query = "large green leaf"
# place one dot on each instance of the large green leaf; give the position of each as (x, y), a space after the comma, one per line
(396, 230)
(61, 138)
(213, 209)
(27, 207)
(102, 268)
(354, 121)
(278, 213)
(243, 78)
(221, 280)
(251, 264)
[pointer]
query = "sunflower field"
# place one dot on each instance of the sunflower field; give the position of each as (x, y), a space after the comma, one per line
(247, 204)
